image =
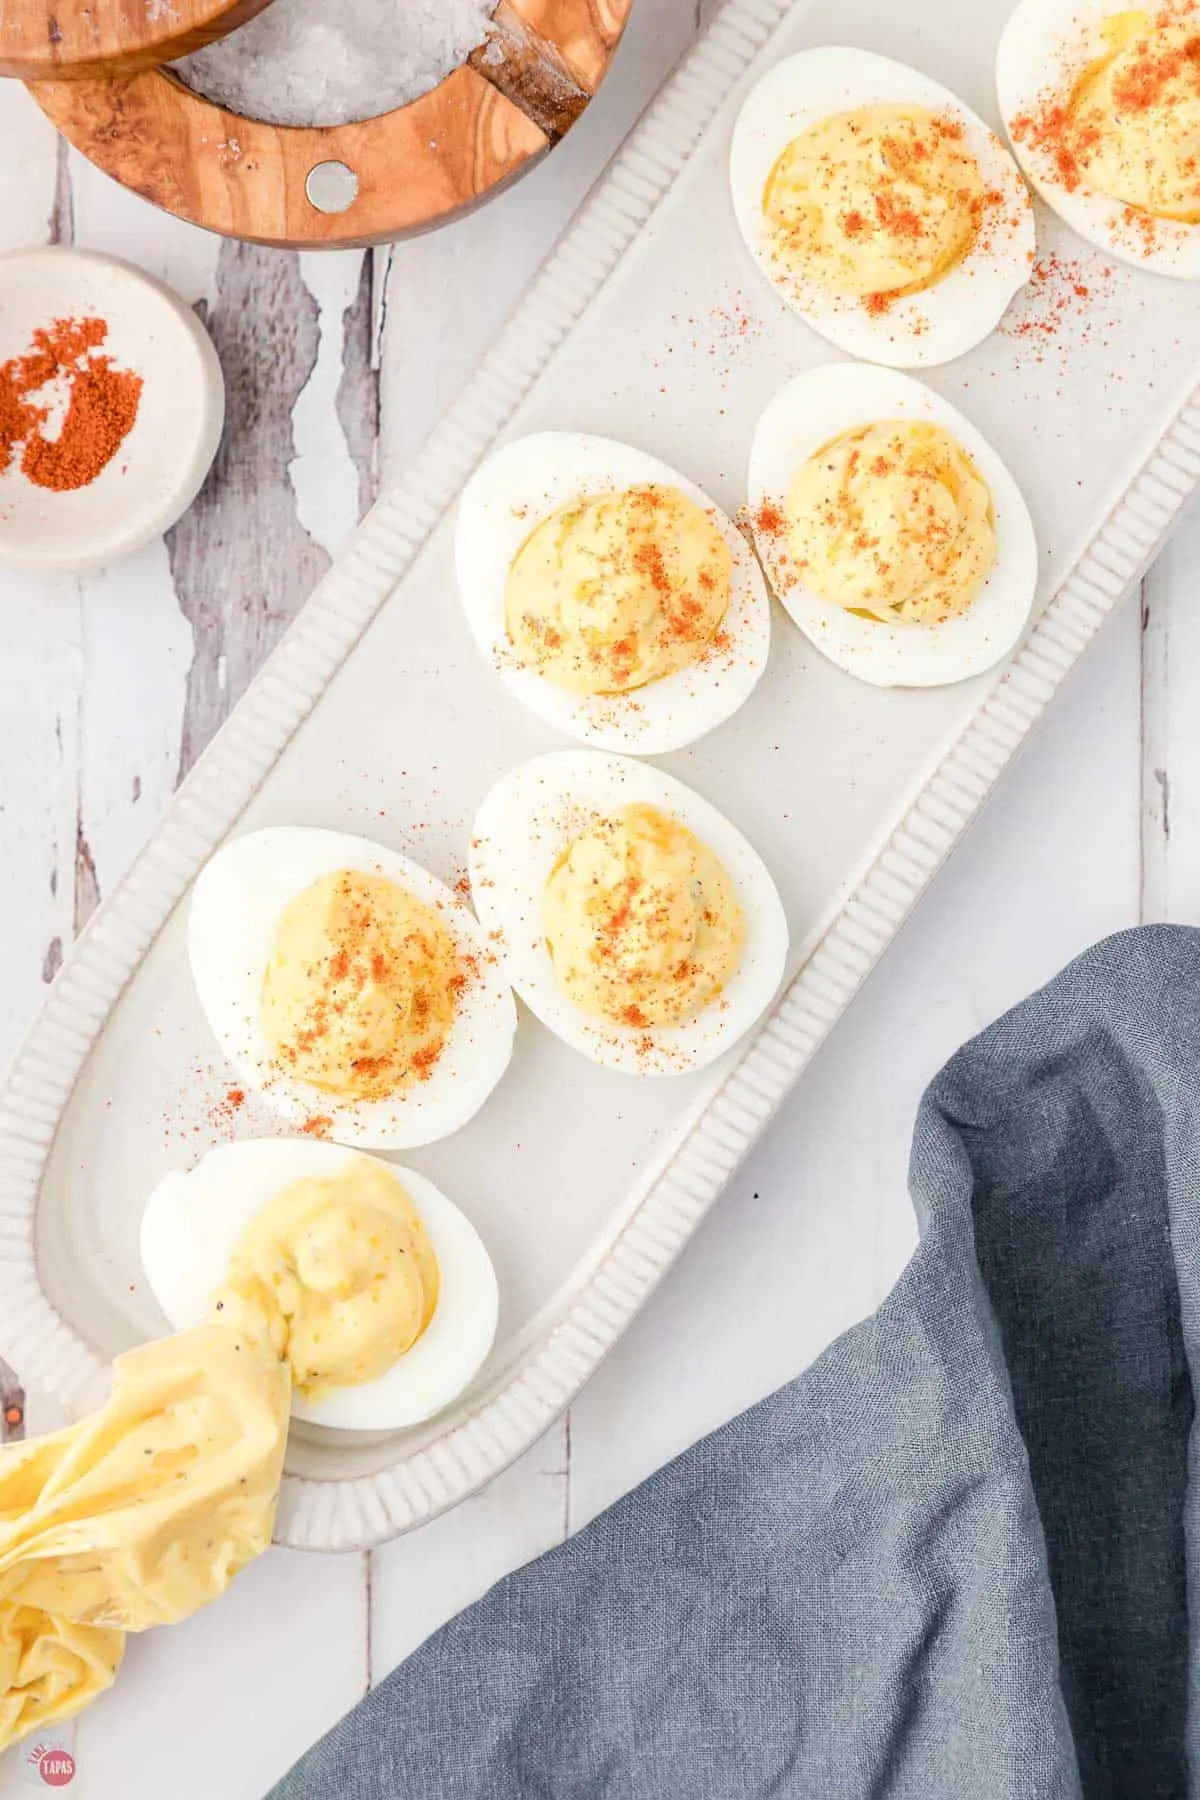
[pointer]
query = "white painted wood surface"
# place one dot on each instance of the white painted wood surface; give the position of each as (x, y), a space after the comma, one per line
(110, 686)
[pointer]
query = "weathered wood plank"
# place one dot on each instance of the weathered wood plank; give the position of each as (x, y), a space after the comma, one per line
(137, 643)
(335, 422)
(29, 147)
(240, 560)
(218, 1707)
(41, 667)
(100, 710)
(1170, 745)
(40, 674)
(423, 1579)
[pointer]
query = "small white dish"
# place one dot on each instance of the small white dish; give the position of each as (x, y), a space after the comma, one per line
(161, 464)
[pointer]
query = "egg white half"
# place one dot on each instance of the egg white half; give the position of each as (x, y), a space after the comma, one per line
(236, 905)
(524, 824)
(505, 500)
(949, 317)
(191, 1227)
(806, 414)
(1046, 46)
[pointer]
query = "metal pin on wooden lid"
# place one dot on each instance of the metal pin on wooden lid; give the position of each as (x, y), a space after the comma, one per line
(52, 40)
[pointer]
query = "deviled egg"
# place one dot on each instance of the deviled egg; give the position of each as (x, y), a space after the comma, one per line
(1102, 104)
(887, 214)
(889, 528)
(371, 1283)
(637, 923)
(609, 593)
(349, 986)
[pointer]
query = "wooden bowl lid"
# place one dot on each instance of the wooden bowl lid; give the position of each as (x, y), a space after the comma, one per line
(43, 40)
(333, 186)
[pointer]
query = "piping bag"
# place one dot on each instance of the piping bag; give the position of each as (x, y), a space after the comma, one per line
(136, 1516)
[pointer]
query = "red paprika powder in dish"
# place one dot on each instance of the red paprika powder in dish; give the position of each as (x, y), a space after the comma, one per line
(65, 406)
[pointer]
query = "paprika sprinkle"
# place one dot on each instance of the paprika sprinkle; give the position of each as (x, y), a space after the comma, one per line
(101, 405)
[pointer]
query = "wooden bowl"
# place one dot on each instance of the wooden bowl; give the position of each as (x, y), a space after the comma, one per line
(335, 186)
(45, 39)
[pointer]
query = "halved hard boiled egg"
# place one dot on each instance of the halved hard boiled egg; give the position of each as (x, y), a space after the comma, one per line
(888, 215)
(609, 593)
(349, 986)
(372, 1284)
(637, 922)
(1102, 104)
(889, 528)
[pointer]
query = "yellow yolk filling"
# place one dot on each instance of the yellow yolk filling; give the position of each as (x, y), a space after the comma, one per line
(337, 1274)
(893, 520)
(641, 920)
(884, 200)
(619, 589)
(1133, 127)
(361, 988)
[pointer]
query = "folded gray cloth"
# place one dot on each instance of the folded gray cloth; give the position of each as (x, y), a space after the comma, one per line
(950, 1561)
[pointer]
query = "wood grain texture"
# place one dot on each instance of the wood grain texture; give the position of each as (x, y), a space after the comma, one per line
(584, 32)
(240, 588)
(53, 39)
(1170, 847)
(421, 1580)
(416, 167)
(551, 80)
(102, 693)
(217, 1707)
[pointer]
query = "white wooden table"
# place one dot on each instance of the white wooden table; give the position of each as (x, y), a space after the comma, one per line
(110, 685)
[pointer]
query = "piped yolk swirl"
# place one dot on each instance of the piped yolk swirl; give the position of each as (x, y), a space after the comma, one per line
(894, 520)
(618, 589)
(337, 1275)
(1133, 126)
(642, 920)
(880, 201)
(361, 988)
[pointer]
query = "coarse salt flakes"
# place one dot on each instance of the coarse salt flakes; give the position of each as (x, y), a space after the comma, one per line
(330, 62)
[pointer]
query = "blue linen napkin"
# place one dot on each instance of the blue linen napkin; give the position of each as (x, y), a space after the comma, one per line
(949, 1561)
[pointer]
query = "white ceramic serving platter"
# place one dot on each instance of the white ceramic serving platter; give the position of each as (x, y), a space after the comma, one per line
(378, 715)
